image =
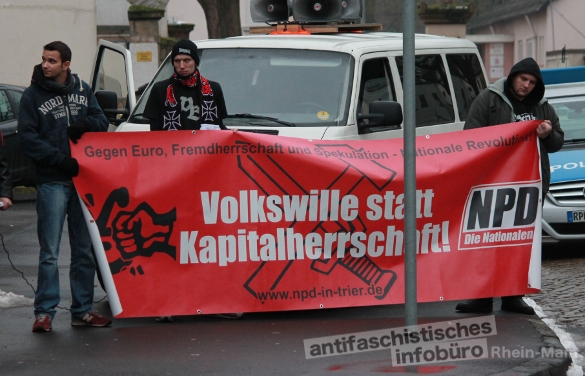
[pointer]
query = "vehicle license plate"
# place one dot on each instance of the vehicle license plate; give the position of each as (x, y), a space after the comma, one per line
(576, 216)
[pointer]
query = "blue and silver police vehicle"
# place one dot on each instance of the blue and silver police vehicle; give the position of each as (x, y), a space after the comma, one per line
(564, 206)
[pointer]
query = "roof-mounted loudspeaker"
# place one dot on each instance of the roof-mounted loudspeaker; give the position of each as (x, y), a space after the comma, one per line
(270, 10)
(306, 11)
(317, 10)
(351, 10)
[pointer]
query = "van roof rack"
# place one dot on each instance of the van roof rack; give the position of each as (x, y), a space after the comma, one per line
(311, 28)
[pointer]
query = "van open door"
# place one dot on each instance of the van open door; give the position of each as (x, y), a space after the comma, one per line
(112, 82)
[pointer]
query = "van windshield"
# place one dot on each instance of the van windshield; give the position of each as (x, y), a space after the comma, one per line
(300, 87)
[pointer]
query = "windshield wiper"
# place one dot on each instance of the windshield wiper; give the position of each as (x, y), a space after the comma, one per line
(575, 140)
(250, 116)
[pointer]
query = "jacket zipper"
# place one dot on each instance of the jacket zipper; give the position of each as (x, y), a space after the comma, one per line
(67, 110)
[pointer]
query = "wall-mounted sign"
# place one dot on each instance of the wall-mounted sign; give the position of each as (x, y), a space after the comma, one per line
(496, 60)
(143, 56)
(496, 48)
(496, 72)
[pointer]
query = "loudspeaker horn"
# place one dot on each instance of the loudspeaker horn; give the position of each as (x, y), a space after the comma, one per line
(270, 10)
(316, 10)
(351, 10)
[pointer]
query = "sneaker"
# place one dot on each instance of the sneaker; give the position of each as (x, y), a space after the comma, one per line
(483, 305)
(236, 315)
(91, 319)
(164, 319)
(42, 324)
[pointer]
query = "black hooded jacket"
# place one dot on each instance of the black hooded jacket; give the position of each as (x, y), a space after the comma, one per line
(46, 110)
(496, 105)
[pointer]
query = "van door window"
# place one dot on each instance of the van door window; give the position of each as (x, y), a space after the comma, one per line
(468, 80)
(375, 84)
(111, 76)
(434, 104)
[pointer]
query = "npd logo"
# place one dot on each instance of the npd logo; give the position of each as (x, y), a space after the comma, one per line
(499, 216)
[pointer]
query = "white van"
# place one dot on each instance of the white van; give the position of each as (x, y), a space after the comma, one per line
(344, 85)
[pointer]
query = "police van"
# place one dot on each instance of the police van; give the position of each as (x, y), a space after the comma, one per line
(564, 207)
(317, 80)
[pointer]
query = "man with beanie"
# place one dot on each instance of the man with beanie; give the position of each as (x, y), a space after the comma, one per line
(187, 100)
(519, 97)
(55, 108)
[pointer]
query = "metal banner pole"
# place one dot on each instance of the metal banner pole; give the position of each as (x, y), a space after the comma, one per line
(408, 14)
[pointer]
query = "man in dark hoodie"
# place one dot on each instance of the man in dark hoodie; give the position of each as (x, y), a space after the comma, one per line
(519, 97)
(56, 107)
(187, 100)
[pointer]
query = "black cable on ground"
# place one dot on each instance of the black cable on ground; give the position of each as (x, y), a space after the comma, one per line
(14, 267)
(26, 280)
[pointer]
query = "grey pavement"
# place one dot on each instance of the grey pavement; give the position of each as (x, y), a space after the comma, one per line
(257, 344)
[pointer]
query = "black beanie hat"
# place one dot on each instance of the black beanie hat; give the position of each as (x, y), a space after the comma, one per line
(186, 47)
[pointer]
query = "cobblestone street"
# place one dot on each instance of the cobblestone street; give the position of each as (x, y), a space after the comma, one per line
(563, 290)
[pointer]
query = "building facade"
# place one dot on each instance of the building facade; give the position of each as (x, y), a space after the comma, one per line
(27, 25)
(551, 32)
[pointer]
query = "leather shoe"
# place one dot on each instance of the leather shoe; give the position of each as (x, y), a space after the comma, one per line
(483, 305)
(516, 304)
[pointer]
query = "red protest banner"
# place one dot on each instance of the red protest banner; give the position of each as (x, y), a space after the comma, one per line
(211, 221)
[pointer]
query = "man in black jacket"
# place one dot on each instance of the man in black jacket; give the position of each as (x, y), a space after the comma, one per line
(519, 97)
(5, 182)
(187, 100)
(55, 108)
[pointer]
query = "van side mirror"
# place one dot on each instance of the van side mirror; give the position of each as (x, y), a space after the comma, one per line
(108, 102)
(382, 114)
